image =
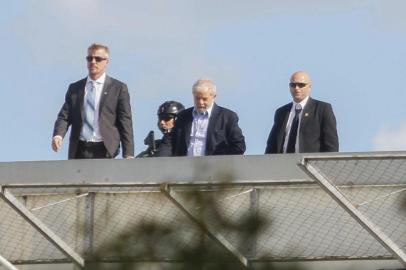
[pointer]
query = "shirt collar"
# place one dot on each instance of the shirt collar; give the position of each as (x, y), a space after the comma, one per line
(208, 111)
(100, 80)
(302, 103)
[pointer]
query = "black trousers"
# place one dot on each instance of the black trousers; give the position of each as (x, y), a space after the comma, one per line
(88, 150)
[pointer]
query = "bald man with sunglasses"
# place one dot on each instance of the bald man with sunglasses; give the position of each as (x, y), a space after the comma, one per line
(97, 108)
(305, 125)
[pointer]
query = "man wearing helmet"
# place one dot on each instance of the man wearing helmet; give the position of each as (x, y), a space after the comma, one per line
(205, 129)
(167, 113)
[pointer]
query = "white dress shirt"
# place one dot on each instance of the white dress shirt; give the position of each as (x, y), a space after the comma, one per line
(289, 124)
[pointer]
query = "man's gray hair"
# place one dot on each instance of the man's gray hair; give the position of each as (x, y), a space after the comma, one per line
(98, 46)
(204, 83)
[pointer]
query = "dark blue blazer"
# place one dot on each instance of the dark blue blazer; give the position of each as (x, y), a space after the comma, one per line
(224, 136)
(317, 133)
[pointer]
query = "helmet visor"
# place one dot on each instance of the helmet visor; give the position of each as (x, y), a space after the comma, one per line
(165, 117)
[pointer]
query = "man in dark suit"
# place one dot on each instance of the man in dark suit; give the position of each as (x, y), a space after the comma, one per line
(98, 109)
(305, 125)
(207, 129)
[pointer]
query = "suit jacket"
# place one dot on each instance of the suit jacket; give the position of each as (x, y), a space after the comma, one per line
(224, 136)
(115, 119)
(317, 133)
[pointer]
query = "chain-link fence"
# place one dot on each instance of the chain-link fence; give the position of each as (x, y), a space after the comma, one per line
(373, 190)
(301, 218)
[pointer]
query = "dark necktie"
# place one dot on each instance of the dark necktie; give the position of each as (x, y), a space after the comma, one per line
(293, 130)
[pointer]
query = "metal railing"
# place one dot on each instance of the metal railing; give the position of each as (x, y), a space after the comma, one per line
(320, 207)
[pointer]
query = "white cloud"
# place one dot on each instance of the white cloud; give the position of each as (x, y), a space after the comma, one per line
(391, 139)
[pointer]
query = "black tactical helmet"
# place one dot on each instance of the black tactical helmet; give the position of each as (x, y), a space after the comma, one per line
(171, 108)
(168, 109)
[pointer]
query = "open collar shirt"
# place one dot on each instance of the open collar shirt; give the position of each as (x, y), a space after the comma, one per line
(198, 132)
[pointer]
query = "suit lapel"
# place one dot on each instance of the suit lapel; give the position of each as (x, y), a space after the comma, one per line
(188, 126)
(307, 113)
(281, 135)
(210, 128)
(104, 93)
(286, 117)
(81, 96)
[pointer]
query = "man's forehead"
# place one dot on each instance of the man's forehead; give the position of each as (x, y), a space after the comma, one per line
(202, 91)
(300, 77)
(98, 52)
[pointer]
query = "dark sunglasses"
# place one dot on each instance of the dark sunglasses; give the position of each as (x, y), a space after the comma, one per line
(300, 85)
(165, 117)
(97, 58)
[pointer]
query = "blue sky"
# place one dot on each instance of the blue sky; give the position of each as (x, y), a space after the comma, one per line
(354, 51)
